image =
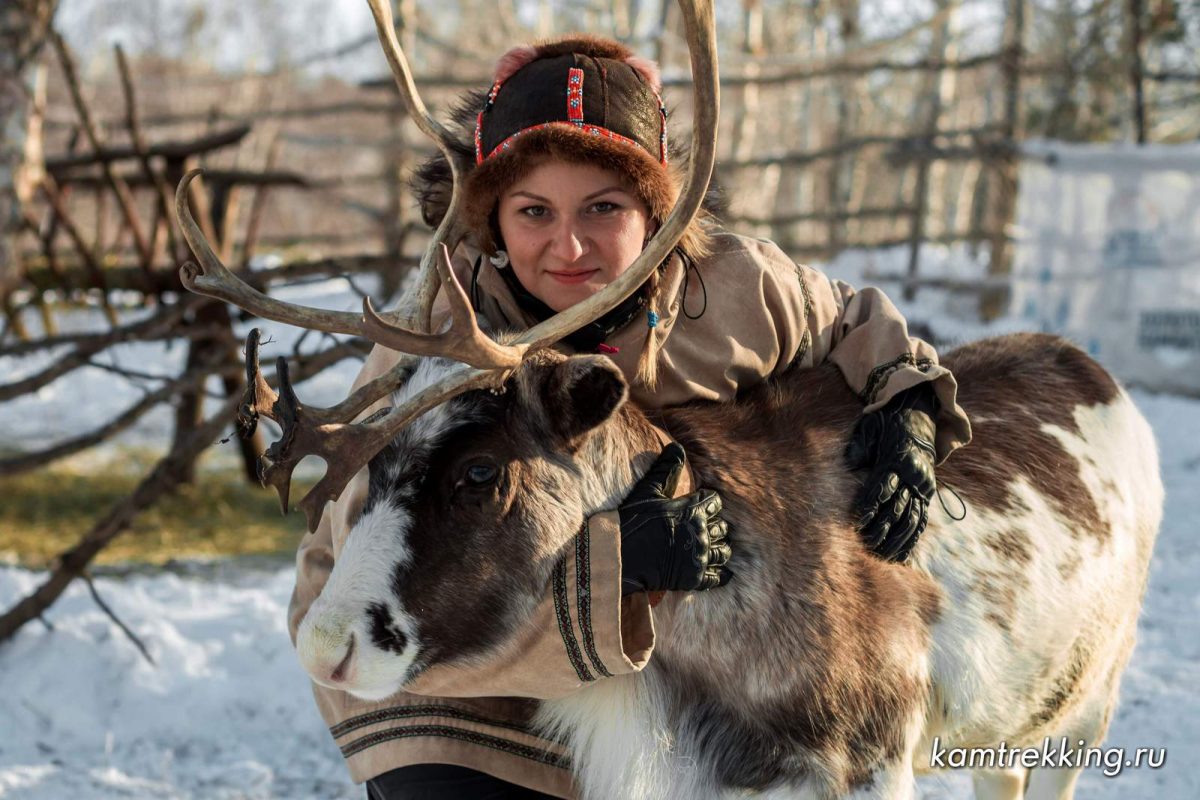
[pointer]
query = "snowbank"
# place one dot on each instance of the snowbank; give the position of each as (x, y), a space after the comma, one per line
(226, 713)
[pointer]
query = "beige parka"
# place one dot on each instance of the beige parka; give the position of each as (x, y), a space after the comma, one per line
(764, 314)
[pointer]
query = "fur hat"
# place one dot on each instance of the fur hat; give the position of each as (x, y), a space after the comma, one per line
(581, 99)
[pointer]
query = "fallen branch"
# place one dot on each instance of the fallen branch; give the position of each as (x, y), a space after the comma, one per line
(847, 146)
(186, 332)
(167, 280)
(94, 273)
(257, 205)
(118, 186)
(139, 145)
(171, 151)
(133, 375)
(117, 620)
(871, 212)
(27, 461)
(230, 177)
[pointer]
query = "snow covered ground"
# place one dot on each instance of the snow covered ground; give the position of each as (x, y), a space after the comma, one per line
(226, 712)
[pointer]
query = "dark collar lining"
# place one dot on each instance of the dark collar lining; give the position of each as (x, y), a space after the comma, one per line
(588, 338)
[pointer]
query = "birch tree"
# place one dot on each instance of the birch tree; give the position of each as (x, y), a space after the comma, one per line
(24, 25)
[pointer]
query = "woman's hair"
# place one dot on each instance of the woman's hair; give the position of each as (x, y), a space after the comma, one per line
(646, 372)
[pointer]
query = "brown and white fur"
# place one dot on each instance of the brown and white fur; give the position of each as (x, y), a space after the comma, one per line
(819, 671)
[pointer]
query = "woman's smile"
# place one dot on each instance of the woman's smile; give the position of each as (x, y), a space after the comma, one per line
(572, 276)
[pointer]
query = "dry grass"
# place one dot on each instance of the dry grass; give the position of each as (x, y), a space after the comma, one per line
(45, 512)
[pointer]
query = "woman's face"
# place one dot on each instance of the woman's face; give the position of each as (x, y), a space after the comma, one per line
(570, 230)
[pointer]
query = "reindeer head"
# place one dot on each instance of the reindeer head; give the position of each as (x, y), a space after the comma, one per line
(466, 511)
(468, 487)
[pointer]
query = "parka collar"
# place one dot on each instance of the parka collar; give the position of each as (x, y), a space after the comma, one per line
(632, 330)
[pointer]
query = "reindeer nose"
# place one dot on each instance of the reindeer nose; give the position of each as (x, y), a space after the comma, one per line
(327, 652)
(341, 671)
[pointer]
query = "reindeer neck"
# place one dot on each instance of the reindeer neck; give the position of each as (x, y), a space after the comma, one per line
(618, 453)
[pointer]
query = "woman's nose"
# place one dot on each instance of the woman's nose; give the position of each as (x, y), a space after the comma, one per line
(569, 242)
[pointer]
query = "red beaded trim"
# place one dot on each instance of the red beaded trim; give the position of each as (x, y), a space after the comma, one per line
(575, 96)
(595, 130)
(491, 98)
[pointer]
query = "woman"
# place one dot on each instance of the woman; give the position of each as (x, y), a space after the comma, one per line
(572, 177)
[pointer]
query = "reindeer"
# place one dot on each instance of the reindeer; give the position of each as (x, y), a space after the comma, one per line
(820, 671)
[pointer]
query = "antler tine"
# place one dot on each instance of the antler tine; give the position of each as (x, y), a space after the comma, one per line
(416, 315)
(211, 278)
(385, 25)
(301, 426)
(701, 37)
(258, 398)
(348, 448)
(464, 341)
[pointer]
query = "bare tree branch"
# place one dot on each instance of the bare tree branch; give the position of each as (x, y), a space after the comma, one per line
(116, 620)
(161, 479)
(27, 461)
(139, 146)
(161, 323)
(258, 205)
(188, 332)
(171, 151)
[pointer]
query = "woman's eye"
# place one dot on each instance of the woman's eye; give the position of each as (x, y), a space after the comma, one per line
(536, 212)
(480, 474)
(604, 206)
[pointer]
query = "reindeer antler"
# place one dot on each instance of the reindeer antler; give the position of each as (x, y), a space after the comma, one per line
(449, 231)
(328, 432)
(463, 341)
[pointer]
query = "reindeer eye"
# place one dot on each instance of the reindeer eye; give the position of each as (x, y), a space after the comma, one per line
(480, 474)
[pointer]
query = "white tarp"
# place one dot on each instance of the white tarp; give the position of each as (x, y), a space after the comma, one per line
(1108, 254)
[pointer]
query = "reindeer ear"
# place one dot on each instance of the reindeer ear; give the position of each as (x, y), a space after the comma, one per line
(583, 392)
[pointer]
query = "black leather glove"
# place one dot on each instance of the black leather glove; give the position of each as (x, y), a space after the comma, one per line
(671, 543)
(897, 444)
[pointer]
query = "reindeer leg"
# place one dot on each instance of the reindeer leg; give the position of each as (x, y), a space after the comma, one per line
(1089, 724)
(1000, 784)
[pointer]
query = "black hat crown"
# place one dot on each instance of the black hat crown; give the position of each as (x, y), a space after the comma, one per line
(597, 95)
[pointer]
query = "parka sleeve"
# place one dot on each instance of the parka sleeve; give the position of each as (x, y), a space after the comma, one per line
(580, 632)
(815, 319)
(866, 336)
